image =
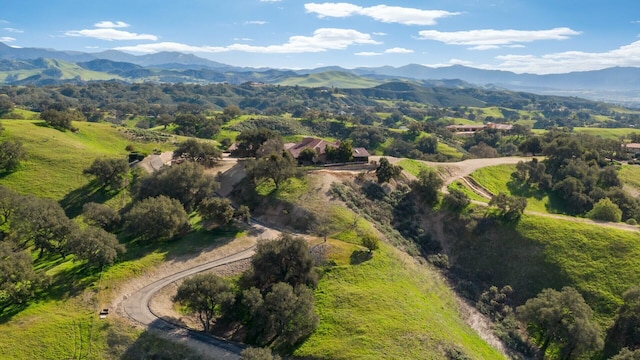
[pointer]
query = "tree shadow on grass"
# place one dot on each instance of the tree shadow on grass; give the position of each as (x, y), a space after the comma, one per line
(555, 204)
(11, 311)
(525, 190)
(184, 248)
(73, 202)
(70, 282)
(360, 256)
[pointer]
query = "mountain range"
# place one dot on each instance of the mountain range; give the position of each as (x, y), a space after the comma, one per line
(20, 66)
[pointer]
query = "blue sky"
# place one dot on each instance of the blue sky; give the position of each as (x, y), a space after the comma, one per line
(534, 36)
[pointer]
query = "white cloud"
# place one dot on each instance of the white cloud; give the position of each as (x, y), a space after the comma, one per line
(491, 39)
(398, 50)
(382, 13)
(6, 39)
(242, 39)
(12, 30)
(367, 53)
(110, 34)
(322, 40)
(255, 22)
(627, 55)
(484, 47)
(111, 25)
(451, 62)
(379, 34)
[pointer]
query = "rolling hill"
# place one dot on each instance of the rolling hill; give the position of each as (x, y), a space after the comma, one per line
(619, 84)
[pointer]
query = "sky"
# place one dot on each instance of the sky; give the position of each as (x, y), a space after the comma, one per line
(522, 36)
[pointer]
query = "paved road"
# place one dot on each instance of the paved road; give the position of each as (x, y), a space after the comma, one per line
(137, 308)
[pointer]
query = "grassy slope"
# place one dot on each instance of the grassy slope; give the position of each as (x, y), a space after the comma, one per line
(540, 252)
(600, 262)
(413, 167)
(630, 176)
(387, 307)
(62, 320)
(496, 180)
(606, 133)
(330, 79)
(56, 159)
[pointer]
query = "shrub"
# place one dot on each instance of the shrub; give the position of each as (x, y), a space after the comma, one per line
(605, 210)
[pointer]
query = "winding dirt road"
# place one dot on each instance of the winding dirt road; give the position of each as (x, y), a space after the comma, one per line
(137, 304)
(137, 308)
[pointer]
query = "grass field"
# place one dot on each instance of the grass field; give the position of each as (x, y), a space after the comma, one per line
(497, 179)
(388, 307)
(600, 262)
(413, 167)
(540, 252)
(607, 133)
(63, 322)
(55, 159)
(630, 176)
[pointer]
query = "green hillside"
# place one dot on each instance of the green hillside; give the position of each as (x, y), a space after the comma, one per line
(330, 79)
(391, 308)
(59, 70)
(55, 159)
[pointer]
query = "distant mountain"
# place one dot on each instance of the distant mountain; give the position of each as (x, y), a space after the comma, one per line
(619, 84)
(11, 53)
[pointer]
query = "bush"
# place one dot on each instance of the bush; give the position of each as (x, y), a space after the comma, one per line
(605, 210)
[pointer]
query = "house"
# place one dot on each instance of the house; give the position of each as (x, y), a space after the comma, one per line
(155, 162)
(320, 147)
(633, 148)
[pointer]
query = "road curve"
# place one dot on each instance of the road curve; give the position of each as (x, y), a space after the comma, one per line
(137, 308)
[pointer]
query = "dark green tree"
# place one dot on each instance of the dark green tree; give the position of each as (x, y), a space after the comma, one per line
(387, 171)
(186, 182)
(204, 153)
(342, 154)
(455, 200)
(625, 332)
(18, 280)
(508, 207)
(217, 210)
(9, 202)
(605, 210)
(277, 167)
(62, 119)
(207, 295)
(100, 215)
(428, 144)
(44, 224)
(308, 156)
(249, 141)
(95, 245)
(156, 218)
(371, 242)
(109, 173)
(427, 186)
(12, 153)
(289, 313)
(285, 259)
(532, 145)
(561, 319)
(243, 213)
